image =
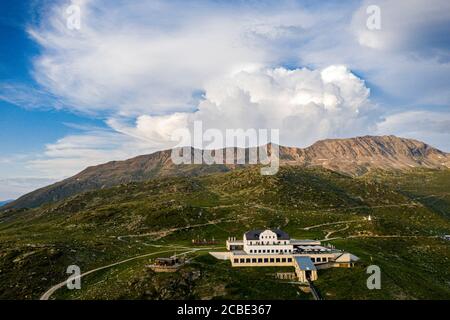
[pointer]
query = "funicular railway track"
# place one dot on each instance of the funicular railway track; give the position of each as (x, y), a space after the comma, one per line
(314, 291)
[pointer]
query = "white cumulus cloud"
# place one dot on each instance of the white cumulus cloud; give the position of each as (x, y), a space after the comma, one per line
(305, 105)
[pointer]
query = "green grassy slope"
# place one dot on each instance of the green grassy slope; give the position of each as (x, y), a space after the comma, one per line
(160, 217)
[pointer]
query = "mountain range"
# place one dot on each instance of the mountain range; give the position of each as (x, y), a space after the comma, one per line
(352, 156)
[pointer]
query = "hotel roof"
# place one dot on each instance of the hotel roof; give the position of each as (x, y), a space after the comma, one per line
(254, 234)
(347, 257)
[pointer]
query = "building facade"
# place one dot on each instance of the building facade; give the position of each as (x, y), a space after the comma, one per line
(274, 247)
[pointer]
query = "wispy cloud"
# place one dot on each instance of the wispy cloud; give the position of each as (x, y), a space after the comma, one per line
(74, 153)
(15, 187)
(417, 124)
(30, 97)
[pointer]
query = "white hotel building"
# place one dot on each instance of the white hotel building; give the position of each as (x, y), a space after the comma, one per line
(267, 241)
(270, 248)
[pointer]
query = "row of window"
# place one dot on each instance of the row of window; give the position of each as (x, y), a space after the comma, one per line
(262, 260)
(267, 237)
(272, 260)
(319, 259)
(256, 243)
(270, 251)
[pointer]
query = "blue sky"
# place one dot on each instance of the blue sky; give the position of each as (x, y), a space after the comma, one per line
(136, 71)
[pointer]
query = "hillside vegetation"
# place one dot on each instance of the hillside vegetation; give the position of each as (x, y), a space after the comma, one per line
(410, 212)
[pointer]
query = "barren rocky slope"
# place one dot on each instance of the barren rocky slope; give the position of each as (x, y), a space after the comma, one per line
(353, 156)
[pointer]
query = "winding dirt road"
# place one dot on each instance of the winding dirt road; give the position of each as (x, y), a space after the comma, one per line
(332, 223)
(329, 233)
(163, 233)
(50, 291)
(157, 234)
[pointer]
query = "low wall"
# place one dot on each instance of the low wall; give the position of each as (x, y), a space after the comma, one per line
(221, 255)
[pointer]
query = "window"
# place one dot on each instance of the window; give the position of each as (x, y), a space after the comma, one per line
(272, 260)
(289, 259)
(259, 251)
(253, 260)
(236, 260)
(259, 259)
(313, 259)
(266, 260)
(247, 260)
(319, 259)
(277, 260)
(251, 251)
(242, 261)
(283, 259)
